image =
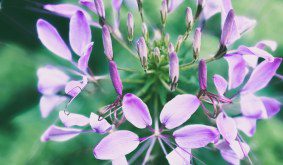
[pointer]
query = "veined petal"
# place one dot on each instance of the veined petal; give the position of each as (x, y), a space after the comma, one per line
(220, 84)
(51, 39)
(256, 52)
(195, 136)
(245, 24)
(227, 127)
(261, 75)
(116, 144)
(178, 110)
(100, 126)
(246, 125)
(272, 107)
(48, 103)
(241, 149)
(211, 8)
(230, 32)
(237, 70)
(74, 88)
(251, 106)
(179, 156)
(80, 34)
(267, 43)
(73, 119)
(174, 4)
(120, 161)
(59, 134)
(83, 60)
(136, 111)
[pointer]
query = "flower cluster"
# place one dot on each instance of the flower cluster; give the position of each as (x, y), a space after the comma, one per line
(250, 69)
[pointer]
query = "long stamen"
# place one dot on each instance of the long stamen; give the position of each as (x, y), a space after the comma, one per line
(149, 151)
(162, 146)
(140, 151)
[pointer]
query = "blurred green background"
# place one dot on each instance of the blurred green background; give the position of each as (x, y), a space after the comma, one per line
(21, 54)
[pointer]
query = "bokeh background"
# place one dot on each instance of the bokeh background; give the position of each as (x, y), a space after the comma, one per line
(21, 54)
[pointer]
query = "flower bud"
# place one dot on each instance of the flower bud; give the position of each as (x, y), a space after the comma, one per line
(115, 78)
(197, 43)
(167, 39)
(179, 43)
(171, 48)
(173, 70)
(156, 54)
(130, 25)
(145, 31)
(200, 4)
(228, 28)
(107, 43)
(100, 8)
(142, 51)
(163, 11)
(202, 75)
(189, 18)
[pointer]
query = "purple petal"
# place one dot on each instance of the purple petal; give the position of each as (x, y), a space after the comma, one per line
(179, 156)
(51, 80)
(251, 106)
(220, 84)
(178, 110)
(115, 78)
(73, 119)
(59, 134)
(195, 136)
(74, 88)
(202, 75)
(246, 125)
(120, 161)
(229, 32)
(237, 70)
(48, 103)
(51, 39)
(116, 144)
(174, 4)
(251, 60)
(211, 8)
(267, 43)
(261, 75)
(227, 127)
(80, 34)
(136, 111)
(256, 52)
(83, 60)
(272, 107)
(241, 149)
(245, 24)
(90, 4)
(100, 126)
(117, 4)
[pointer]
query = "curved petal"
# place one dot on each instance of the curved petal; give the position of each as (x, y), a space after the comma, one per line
(90, 4)
(73, 119)
(74, 88)
(116, 144)
(174, 4)
(261, 75)
(179, 156)
(220, 84)
(178, 110)
(59, 134)
(244, 24)
(120, 161)
(254, 51)
(267, 43)
(195, 136)
(51, 39)
(237, 70)
(246, 125)
(251, 106)
(227, 127)
(252, 61)
(51, 80)
(83, 60)
(136, 111)
(272, 107)
(241, 149)
(100, 126)
(80, 34)
(48, 103)
(211, 8)
(117, 4)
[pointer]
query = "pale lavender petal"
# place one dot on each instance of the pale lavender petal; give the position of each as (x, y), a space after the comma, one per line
(195, 136)
(267, 43)
(120, 161)
(227, 127)
(178, 110)
(100, 126)
(245, 24)
(241, 149)
(74, 88)
(136, 111)
(256, 52)
(90, 4)
(117, 4)
(132, 5)
(246, 125)
(116, 144)
(251, 60)
(73, 119)
(261, 75)
(227, 153)
(51, 80)
(80, 34)
(174, 4)
(229, 31)
(59, 134)
(179, 156)
(237, 70)
(51, 39)
(48, 103)
(83, 60)
(211, 8)
(220, 84)
(251, 106)
(272, 107)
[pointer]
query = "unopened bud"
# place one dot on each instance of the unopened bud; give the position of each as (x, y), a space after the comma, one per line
(179, 43)
(100, 10)
(142, 51)
(145, 32)
(167, 39)
(156, 54)
(107, 43)
(202, 75)
(164, 11)
(200, 4)
(189, 18)
(115, 78)
(130, 25)
(173, 70)
(171, 48)
(197, 43)
(227, 30)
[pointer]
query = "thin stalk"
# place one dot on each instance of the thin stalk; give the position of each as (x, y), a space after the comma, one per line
(149, 151)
